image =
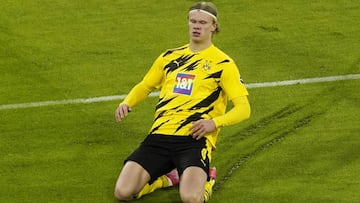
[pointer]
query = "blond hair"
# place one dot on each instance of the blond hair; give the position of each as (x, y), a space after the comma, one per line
(210, 8)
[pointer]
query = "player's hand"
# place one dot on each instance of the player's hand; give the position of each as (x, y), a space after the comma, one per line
(202, 127)
(122, 111)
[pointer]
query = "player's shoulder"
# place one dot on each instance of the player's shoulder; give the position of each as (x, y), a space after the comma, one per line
(220, 56)
(177, 49)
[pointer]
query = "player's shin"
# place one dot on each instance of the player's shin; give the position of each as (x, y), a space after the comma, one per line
(160, 182)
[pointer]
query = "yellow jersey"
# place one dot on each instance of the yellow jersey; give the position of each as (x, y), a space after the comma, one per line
(193, 86)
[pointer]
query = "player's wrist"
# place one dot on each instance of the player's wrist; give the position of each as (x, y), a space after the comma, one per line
(217, 122)
(123, 104)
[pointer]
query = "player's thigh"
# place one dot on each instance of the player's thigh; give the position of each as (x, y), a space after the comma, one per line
(132, 177)
(192, 183)
(195, 153)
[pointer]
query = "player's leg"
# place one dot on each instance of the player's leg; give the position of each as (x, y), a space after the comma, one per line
(142, 168)
(210, 184)
(192, 184)
(168, 180)
(192, 161)
(131, 180)
(208, 188)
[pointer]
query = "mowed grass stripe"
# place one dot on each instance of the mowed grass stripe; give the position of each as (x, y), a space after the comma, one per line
(120, 97)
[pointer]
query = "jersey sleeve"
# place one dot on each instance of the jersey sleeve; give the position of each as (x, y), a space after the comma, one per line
(154, 77)
(231, 81)
(152, 80)
(237, 93)
(240, 111)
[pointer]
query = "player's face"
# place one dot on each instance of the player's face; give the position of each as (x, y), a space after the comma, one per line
(201, 27)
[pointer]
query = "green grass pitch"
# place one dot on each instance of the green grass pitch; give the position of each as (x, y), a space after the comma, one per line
(301, 143)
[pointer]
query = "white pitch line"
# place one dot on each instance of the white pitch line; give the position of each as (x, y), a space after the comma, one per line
(154, 94)
(304, 81)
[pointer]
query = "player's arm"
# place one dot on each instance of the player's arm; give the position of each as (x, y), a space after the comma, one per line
(137, 94)
(236, 91)
(240, 111)
(140, 92)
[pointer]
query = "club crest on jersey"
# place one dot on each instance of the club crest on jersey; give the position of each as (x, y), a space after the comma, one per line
(184, 83)
(206, 66)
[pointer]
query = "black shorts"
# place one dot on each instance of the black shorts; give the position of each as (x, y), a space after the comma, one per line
(159, 154)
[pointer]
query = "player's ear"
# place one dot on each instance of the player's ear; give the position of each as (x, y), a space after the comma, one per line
(214, 27)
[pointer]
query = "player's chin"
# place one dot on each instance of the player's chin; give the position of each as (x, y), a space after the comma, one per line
(196, 39)
(195, 35)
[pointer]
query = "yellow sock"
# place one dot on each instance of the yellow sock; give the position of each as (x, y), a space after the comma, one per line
(208, 189)
(160, 182)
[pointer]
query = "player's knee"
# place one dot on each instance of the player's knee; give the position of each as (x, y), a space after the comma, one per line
(191, 197)
(123, 194)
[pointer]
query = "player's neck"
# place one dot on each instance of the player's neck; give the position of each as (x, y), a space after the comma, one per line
(199, 46)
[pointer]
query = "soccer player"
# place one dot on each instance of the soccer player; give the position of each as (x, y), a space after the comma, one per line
(195, 82)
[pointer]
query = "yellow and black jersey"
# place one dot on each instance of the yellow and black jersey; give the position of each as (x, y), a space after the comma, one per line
(193, 86)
